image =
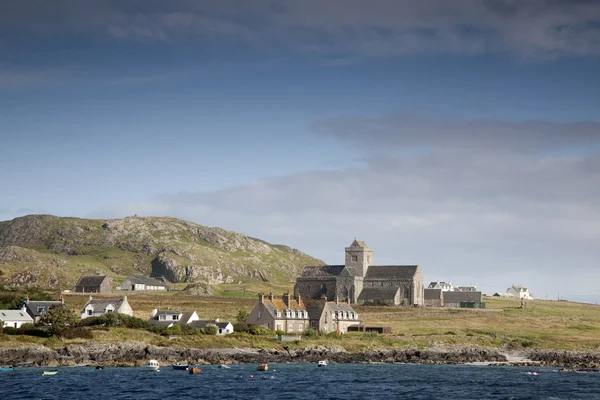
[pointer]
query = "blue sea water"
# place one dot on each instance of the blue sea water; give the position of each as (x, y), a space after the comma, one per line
(302, 381)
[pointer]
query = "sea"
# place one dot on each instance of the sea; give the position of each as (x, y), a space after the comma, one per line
(302, 381)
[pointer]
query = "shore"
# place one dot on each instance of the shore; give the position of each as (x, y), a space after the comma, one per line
(137, 353)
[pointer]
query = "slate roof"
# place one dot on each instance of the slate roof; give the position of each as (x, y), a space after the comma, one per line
(432, 294)
(202, 324)
(15, 315)
(467, 288)
(146, 280)
(34, 305)
(321, 271)
(94, 281)
(381, 293)
(457, 297)
(101, 304)
(315, 307)
(183, 318)
(392, 271)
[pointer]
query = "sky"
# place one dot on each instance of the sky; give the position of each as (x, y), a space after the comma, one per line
(461, 136)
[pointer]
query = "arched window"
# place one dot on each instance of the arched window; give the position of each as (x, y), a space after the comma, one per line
(323, 288)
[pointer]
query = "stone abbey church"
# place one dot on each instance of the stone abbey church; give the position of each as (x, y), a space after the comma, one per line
(358, 281)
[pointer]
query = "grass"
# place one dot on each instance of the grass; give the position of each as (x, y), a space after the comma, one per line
(543, 324)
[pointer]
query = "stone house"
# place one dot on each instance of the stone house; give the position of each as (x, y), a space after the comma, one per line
(94, 284)
(14, 318)
(142, 282)
(398, 284)
(331, 316)
(169, 318)
(432, 297)
(98, 307)
(37, 309)
(287, 314)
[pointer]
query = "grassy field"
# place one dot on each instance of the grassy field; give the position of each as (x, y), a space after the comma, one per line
(543, 324)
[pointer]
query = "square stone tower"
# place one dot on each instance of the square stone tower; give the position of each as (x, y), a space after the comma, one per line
(358, 258)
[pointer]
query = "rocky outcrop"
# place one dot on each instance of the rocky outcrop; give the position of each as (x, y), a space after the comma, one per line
(565, 358)
(181, 251)
(136, 353)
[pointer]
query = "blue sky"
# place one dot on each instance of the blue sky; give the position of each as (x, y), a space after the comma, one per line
(460, 136)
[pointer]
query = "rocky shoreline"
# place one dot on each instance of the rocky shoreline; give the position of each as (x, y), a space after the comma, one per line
(137, 353)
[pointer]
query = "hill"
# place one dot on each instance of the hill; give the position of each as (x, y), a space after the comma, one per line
(52, 252)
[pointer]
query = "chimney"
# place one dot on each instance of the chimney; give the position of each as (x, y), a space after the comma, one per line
(271, 296)
(286, 299)
(154, 312)
(26, 299)
(324, 297)
(90, 298)
(298, 298)
(61, 299)
(216, 319)
(261, 298)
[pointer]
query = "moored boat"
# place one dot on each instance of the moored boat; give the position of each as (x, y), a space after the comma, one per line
(263, 367)
(182, 366)
(6, 369)
(223, 366)
(49, 373)
(323, 363)
(152, 365)
(195, 370)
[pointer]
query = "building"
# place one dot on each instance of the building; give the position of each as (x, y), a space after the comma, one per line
(400, 284)
(432, 297)
(331, 316)
(444, 286)
(37, 309)
(287, 314)
(169, 318)
(519, 291)
(98, 307)
(223, 328)
(94, 284)
(14, 318)
(142, 282)
(466, 289)
(458, 299)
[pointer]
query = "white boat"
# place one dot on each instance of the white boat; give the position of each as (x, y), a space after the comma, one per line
(223, 366)
(152, 365)
(322, 363)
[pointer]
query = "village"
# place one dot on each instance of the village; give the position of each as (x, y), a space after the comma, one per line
(322, 300)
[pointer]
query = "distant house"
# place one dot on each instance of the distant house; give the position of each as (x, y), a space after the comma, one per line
(223, 328)
(458, 299)
(519, 292)
(444, 286)
(14, 318)
(94, 284)
(98, 307)
(331, 316)
(37, 309)
(169, 318)
(466, 289)
(287, 314)
(432, 297)
(142, 282)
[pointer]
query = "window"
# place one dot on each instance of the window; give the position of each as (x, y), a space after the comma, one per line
(293, 314)
(90, 312)
(300, 327)
(278, 313)
(175, 317)
(278, 327)
(162, 317)
(313, 324)
(109, 310)
(354, 258)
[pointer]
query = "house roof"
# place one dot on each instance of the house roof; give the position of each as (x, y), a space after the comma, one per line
(432, 294)
(457, 297)
(467, 288)
(381, 293)
(184, 317)
(321, 271)
(34, 305)
(202, 324)
(432, 285)
(392, 271)
(88, 280)
(15, 315)
(146, 280)
(101, 304)
(315, 308)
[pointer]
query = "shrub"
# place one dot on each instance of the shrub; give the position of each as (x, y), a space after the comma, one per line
(174, 330)
(77, 333)
(242, 315)
(310, 332)
(210, 329)
(280, 332)
(259, 330)
(240, 327)
(116, 320)
(58, 318)
(26, 330)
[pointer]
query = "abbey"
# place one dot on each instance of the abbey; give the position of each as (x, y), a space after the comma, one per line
(358, 281)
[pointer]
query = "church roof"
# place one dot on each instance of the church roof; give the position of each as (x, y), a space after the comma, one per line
(321, 271)
(392, 271)
(380, 293)
(359, 243)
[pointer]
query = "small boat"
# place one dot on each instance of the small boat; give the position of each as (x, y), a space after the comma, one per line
(99, 367)
(181, 366)
(263, 367)
(49, 373)
(152, 365)
(223, 366)
(323, 363)
(195, 370)
(6, 369)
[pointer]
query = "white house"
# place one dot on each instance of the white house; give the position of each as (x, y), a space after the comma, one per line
(141, 282)
(168, 318)
(223, 328)
(95, 308)
(14, 318)
(519, 291)
(445, 286)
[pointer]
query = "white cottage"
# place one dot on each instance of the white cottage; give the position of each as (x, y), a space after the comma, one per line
(14, 318)
(97, 307)
(169, 318)
(223, 328)
(519, 292)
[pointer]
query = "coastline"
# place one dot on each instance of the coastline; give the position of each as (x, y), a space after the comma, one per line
(137, 353)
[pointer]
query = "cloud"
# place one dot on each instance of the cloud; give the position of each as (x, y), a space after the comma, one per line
(341, 28)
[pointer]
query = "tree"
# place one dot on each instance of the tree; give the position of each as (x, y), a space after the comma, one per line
(210, 329)
(242, 315)
(58, 318)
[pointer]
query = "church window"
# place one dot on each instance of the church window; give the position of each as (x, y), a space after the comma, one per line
(323, 288)
(354, 258)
